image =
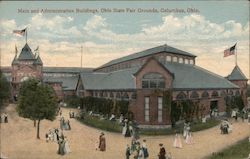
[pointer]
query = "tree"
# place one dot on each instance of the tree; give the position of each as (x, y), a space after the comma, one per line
(36, 101)
(5, 89)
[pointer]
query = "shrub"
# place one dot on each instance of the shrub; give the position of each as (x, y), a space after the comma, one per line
(73, 101)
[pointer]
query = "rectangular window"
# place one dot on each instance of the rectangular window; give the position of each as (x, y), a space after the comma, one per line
(175, 59)
(186, 61)
(161, 84)
(146, 107)
(145, 84)
(181, 60)
(168, 58)
(153, 84)
(159, 109)
(191, 62)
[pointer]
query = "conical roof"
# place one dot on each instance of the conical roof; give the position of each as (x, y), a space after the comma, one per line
(26, 53)
(38, 60)
(236, 74)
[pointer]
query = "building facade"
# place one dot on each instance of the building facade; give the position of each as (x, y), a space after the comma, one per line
(144, 79)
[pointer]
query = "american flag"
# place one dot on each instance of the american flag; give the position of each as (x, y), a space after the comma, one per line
(20, 32)
(230, 51)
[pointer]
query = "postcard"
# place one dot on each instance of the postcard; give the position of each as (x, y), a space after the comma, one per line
(124, 79)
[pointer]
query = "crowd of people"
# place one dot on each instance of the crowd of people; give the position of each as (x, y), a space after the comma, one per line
(137, 149)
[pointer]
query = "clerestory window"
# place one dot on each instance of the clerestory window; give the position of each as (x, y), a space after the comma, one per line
(153, 80)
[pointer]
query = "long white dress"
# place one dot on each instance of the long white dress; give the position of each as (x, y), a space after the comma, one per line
(141, 154)
(177, 141)
(189, 139)
(124, 129)
(66, 147)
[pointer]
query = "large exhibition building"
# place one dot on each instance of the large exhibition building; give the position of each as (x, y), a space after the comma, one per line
(144, 79)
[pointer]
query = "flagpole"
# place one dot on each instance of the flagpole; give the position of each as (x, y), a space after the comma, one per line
(81, 56)
(236, 55)
(26, 30)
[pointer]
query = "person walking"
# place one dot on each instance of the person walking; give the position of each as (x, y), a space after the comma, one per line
(162, 153)
(140, 152)
(102, 142)
(128, 153)
(177, 141)
(145, 149)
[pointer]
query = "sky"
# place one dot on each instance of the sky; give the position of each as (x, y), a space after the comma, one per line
(108, 29)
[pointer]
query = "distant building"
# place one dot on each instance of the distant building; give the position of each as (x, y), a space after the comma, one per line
(28, 64)
(142, 78)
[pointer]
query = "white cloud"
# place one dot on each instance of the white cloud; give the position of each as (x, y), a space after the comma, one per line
(95, 22)
(53, 26)
(7, 26)
(192, 33)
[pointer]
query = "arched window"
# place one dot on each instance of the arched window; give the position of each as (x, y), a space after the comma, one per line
(194, 94)
(104, 94)
(175, 59)
(181, 96)
(133, 95)
(153, 80)
(215, 94)
(237, 93)
(223, 93)
(205, 94)
(125, 96)
(231, 92)
(180, 60)
(191, 62)
(101, 94)
(111, 95)
(168, 58)
(118, 95)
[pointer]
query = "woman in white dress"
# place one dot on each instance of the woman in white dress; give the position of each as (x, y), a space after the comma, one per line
(189, 139)
(66, 146)
(177, 141)
(124, 129)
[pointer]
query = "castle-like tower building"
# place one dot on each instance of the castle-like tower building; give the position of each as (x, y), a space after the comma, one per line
(24, 66)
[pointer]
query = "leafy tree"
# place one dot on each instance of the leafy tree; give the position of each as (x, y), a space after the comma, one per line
(36, 101)
(239, 102)
(5, 89)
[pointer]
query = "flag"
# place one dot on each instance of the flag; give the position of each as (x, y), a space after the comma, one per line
(20, 32)
(230, 51)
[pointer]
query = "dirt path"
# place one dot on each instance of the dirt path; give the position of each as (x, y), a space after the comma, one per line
(18, 141)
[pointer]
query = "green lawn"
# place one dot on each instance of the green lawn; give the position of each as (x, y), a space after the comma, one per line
(101, 124)
(115, 127)
(240, 150)
(196, 126)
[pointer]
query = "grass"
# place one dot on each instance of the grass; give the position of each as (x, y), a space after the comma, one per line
(115, 127)
(101, 124)
(195, 126)
(240, 150)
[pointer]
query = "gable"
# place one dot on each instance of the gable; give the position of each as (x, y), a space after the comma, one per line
(154, 66)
